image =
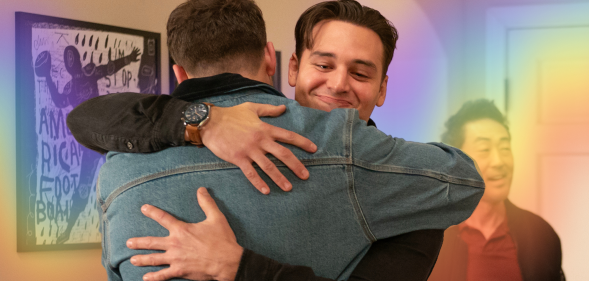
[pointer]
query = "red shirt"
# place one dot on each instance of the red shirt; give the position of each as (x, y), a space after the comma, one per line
(491, 260)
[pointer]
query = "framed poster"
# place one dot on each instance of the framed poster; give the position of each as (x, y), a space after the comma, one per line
(59, 64)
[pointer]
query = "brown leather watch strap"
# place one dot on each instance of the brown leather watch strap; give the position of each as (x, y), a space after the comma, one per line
(192, 135)
(192, 132)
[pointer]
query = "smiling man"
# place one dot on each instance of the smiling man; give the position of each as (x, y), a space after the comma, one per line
(365, 187)
(342, 66)
(499, 241)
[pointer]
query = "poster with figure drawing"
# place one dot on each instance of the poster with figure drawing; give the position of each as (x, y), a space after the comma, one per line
(61, 63)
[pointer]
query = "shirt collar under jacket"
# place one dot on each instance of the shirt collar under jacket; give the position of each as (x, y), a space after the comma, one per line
(218, 85)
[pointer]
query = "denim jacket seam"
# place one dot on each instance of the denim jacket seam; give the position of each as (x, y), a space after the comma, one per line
(107, 242)
(422, 172)
(186, 169)
(226, 97)
(348, 153)
(105, 203)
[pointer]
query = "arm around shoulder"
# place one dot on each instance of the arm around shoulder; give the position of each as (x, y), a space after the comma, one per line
(404, 186)
(128, 122)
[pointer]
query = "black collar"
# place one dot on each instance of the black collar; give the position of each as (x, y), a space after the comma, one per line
(221, 84)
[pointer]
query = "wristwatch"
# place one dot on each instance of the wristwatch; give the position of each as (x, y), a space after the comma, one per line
(194, 117)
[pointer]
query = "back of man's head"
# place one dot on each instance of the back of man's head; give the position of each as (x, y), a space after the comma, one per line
(349, 11)
(469, 112)
(208, 37)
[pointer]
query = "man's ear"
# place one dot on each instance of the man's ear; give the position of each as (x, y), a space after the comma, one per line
(382, 93)
(180, 73)
(293, 70)
(270, 59)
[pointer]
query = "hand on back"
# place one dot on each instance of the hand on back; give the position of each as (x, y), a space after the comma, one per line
(237, 135)
(197, 251)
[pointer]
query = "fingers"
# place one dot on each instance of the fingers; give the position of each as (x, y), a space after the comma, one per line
(267, 110)
(147, 243)
(270, 169)
(208, 205)
(164, 219)
(251, 174)
(149, 260)
(289, 159)
(166, 274)
(293, 138)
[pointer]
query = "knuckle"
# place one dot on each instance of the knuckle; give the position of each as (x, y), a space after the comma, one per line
(236, 154)
(265, 126)
(148, 243)
(173, 243)
(283, 152)
(160, 215)
(178, 272)
(266, 165)
(182, 231)
(250, 174)
(290, 136)
(258, 135)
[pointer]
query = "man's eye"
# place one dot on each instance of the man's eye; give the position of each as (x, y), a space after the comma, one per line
(360, 75)
(322, 66)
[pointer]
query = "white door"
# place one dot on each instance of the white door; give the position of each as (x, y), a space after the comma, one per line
(548, 109)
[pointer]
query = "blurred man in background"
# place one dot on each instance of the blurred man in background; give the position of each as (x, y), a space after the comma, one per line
(499, 241)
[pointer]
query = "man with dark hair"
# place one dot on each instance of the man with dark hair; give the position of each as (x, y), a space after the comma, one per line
(367, 187)
(499, 241)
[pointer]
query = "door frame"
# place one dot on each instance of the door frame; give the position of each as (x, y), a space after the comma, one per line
(501, 20)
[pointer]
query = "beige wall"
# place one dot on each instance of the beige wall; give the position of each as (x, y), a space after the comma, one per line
(149, 15)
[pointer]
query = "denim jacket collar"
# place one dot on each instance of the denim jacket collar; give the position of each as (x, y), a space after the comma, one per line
(221, 84)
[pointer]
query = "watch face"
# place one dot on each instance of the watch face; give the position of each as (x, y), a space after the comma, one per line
(196, 113)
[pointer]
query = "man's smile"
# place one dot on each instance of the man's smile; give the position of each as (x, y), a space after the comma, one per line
(334, 102)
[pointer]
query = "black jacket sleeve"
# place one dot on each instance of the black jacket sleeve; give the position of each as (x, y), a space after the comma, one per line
(128, 122)
(408, 257)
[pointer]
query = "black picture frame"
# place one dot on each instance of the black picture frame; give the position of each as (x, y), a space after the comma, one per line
(59, 64)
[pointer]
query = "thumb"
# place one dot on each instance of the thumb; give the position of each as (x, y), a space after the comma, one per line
(267, 110)
(207, 204)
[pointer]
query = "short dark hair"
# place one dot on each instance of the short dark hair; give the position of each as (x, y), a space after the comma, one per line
(471, 111)
(215, 36)
(348, 11)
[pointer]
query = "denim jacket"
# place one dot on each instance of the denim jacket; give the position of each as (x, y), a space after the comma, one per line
(363, 186)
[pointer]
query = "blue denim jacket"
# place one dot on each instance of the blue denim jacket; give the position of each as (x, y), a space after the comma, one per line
(363, 186)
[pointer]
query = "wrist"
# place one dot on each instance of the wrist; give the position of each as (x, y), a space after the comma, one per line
(205, 128)
(228, 269)
(196, 117)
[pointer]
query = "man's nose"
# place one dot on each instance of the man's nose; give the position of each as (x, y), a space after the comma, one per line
(338, 81)
(496, 158)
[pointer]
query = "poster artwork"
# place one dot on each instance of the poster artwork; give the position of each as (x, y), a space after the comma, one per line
(72, 62)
